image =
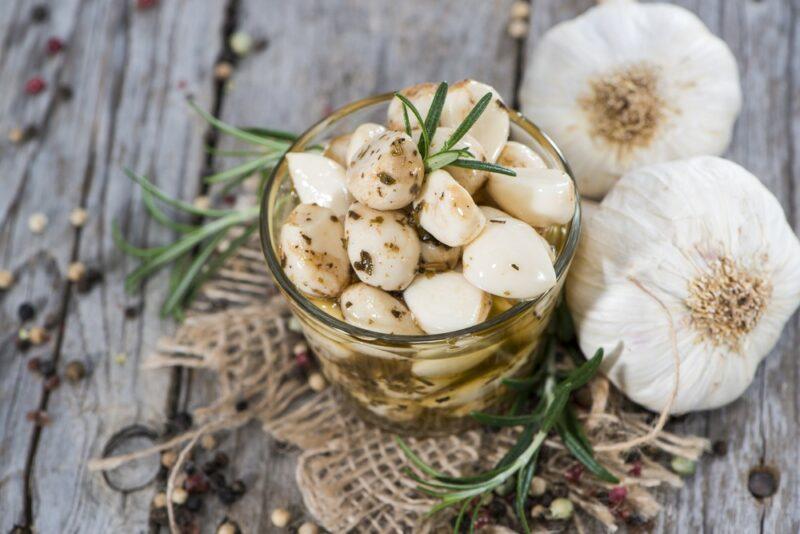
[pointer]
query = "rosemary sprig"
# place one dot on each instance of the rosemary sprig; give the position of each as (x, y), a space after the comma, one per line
(447, 156)
(552, 413)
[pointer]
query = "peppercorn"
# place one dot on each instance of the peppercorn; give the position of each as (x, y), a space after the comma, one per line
(54, 45)
(574, 473)
(132, 311)
(168, 458)
(26, 311)
(238, 487)
(40, 13)
(87, 282)
(33, 365)
(636, 469)
(228, 528)
(280, 517)
(160, 500)
(227, 496)
(194, 503)
(208, 442)
(6, 279)
(146, 4)
(720, 448)
(762, 482)
(179, 495)
(52, 383)
(23, 343)
(21, 529)
(38, 417)
(75, 371)
(65, 92)
(241, 405)
(35, 85)
(196, 483)
(38, 335)
(189, 468)
(217, 481)
(617, 495)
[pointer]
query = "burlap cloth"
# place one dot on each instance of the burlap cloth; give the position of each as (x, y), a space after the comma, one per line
(349, 471)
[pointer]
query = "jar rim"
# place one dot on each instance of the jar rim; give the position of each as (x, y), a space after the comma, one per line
(268, 248)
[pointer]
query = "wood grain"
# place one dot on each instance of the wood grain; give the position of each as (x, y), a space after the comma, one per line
(127, 69)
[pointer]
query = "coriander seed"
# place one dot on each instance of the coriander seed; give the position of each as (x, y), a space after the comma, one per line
(6, 279)
(75, 371)
(683, 466)
(37, 223)
(179, 495)
(223, 70)
(168, 459)
(561, 509)
(317, 382)
(38, 335)
(77, 217)
(517, 28)
(308, 528)
(227, 528)
(160, 500)
(538, 487)
(76, 271)
(16, 135)
(280, 517)
(208, 442)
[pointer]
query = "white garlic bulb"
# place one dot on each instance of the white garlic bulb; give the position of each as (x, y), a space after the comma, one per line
(628, 84)
(699, 244)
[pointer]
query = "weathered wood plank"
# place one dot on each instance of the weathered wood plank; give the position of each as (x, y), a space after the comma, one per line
(757, 427)
(322, 55)
(128, 68)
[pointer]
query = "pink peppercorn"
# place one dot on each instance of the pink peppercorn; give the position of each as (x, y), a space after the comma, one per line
(35, 85)
(636, 469)
(196, 483)
(617, 494)
(574, 473)
(146, 4)
(54, 45)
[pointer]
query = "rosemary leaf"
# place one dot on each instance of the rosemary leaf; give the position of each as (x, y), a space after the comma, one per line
(435, 111)
(483, 166)
(424, 140)
(460, 517)
(175, 297)
(505, 420)
(271, 133)
(524, 478)
(468, 121)
(442, 159)
(232, 153)
(238, 133)
(161, 217)
(581, 450)
(243, 170)
(416, 460)
(173, 202)
(406, 122)
(122, 244)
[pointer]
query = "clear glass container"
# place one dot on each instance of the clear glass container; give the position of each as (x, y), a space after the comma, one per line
(421, 385)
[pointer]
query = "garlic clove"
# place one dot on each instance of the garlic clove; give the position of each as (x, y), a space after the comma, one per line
(493, 213)
(421, 95)
(469, 179)
(540, 197)
(387, 172)
(361, 136)
(445, 302)
(509, 259)
(374, 309)
(438, 256)
(331, 307)
(442, 367)
(446, 210)
(319, 180)
(312, 251)
(383, 247)
(492, 127)
(518, 155)
(336, 149)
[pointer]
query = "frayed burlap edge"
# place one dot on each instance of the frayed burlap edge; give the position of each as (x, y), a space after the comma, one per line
(350, 472)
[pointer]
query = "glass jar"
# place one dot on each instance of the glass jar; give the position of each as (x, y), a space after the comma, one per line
(420, 385)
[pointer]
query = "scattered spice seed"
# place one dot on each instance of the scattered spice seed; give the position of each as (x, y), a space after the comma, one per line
(132, 311)
(538, 487)
(196, 483)
(617, 495)
(208, 442)
(52, 383)
(160, 500)
(538, 511)
(26, 311)
(223, 70)
(308, 528)
(6, 279)
(75, 371)
(280, 517)
(35, 85)
(202, 202)
(33, 365)
(38, 335)
(77, 217)
(168, 459)
(120, 358)
(228, 528)
(38, 417)
(238, 487)
(520, 10)
(720, 448)
(23, 343)
(16, 135)
(194, 503)
(40, 13)
(561, 509)
(241, 405)
(179, 495)
(636, 468)
(317, 382)
(37, 223)
(76, 271)
(683, 466)
(146, 4)
(85, 284)
(241, 43)
(65, 92)
(47, 368)
(574, 473)
(54, 45)
(517, 28)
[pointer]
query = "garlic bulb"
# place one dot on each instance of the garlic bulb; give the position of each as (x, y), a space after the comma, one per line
(699, 246)
(628, 84)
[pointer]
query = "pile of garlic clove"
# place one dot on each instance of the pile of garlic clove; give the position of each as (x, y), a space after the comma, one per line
(405, 249)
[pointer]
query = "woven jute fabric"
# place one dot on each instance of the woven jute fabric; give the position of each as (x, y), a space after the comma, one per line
(352, 474)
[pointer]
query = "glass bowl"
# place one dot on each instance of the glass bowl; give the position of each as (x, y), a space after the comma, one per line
(419, 385)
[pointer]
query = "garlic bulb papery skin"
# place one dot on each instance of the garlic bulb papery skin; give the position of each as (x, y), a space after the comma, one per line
(700, 241)
(628, 84)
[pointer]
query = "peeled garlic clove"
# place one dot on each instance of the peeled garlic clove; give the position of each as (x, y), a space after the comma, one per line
(421, 95)
(336, 149)
(331, 307)
(493, 213)
(517, 155)
(540, 197)
(312, 251)
(319, 180)
(382, 246)
(361, 136)
(441, 367)
(446, 210)
(445, 302)
(509, 259)
(470, 179)
(630, 84)
(492, 127)
(374, 309)
(438, 256)
(387, 173)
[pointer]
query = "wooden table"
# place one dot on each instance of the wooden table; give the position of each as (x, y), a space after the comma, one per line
(129, 71)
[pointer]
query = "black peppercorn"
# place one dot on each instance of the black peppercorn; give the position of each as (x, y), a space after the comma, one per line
(720, 448)
(65, 92)
(221, 459)
(47, 368)
(40, 13)
(238, 487)
(194, 502)
(26, 311)
(23, 344)
(88, 281)
(132, 311)
(241, 405)
(227, 496)
(217, 481)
